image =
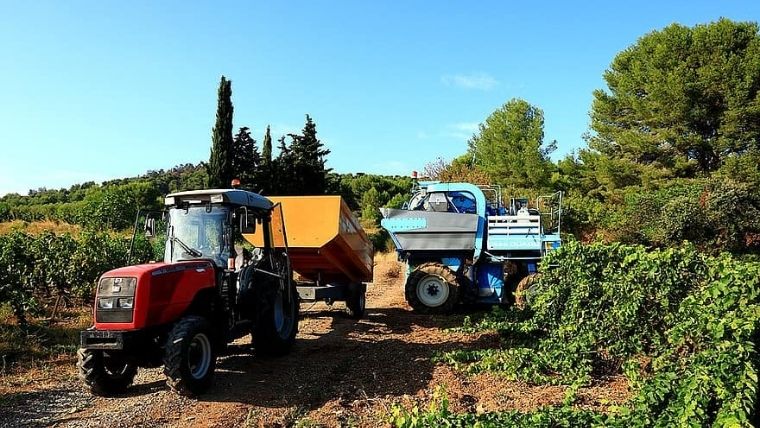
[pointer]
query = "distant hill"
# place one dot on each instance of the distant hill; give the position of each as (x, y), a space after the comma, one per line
(114, 203)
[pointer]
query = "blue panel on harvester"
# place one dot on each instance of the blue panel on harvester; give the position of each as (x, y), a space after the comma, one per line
(453, 263)
(490, 277)
(532, 268)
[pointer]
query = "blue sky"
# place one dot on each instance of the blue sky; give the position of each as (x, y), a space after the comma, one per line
(93, 90)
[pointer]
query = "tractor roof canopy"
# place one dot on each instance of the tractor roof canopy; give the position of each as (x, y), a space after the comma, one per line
(219, 196)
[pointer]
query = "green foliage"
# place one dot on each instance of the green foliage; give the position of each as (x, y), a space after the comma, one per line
(37, 267)
(309, 157)
(246, 160)
(682, 99)
(220, 164)
(266, 169)
(112, 204)
(15, 271)
(460, 169)
(371, 206)
(116, 206)
(716, 214)
(300, 167)
(509, 146)
(352, 188)
(607, 309)
(437, 414)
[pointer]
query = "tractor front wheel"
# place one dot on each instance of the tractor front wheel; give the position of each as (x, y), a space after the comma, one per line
(189, 356)
(105, 373)
(432, 289)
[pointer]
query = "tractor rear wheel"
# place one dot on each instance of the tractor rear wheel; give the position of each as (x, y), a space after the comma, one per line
(525, 290)
(432, 288)
(189, 356)
(356, 300)
(277, 325)
(105, 373)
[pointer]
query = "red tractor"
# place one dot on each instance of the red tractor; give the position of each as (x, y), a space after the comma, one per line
(182, 312)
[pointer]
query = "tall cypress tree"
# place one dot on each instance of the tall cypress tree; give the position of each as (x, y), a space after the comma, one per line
(220, 172)
(264, 177)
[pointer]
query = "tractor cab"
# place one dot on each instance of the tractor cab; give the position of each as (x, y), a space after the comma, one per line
(205, 224)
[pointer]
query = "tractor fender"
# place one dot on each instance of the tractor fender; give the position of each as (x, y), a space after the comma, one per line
(205, 303)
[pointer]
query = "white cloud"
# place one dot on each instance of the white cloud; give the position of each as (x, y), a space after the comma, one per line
(460, 130)
(480, 81)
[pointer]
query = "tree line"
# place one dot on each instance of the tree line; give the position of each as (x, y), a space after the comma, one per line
(673, 149)
(672, 153)
(298, 169)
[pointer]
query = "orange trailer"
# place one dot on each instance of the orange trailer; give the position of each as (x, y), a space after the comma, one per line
(326, 246)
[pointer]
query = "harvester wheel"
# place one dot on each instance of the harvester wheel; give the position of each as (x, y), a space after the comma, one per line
(105, 373)
(277, 325)
(432, 288)
(356, 300)
(189, 356)
(525, 290)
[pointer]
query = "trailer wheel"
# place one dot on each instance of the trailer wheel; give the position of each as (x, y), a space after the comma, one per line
(189, 356)
(432, 288)
(525, 290)
(356, 300)
(105, 373)
(277, 326)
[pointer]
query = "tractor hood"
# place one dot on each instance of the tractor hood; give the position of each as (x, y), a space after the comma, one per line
(158, 294)
(157, 269)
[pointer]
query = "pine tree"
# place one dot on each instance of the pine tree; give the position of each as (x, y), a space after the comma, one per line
(220, 166)
(308, 156)
(282, 182)
(245, 159)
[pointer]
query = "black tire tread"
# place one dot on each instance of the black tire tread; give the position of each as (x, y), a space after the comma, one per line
(173, 357)
(92, 373)
(354, 308)
(437, 269)
(521, 300)
(266, 340)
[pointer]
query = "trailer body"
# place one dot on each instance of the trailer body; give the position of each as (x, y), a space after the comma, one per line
(326, 245)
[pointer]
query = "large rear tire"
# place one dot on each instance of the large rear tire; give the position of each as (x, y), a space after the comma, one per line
(525, 290)
(105, 373)
(277, 326)
(189, 356)
(277, 320)
(432, 288)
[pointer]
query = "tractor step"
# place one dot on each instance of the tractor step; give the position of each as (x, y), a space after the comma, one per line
(326, 292)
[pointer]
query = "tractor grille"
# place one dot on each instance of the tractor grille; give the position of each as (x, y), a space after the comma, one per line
(115, 300)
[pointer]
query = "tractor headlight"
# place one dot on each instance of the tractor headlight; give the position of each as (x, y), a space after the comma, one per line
(116, 299)
(126, 303)
(106, 303)
(117, 286)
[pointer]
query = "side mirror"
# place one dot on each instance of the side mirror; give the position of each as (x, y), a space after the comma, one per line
(247, 222)
(150, 227)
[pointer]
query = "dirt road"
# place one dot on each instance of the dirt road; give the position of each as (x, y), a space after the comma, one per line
(341, 373)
